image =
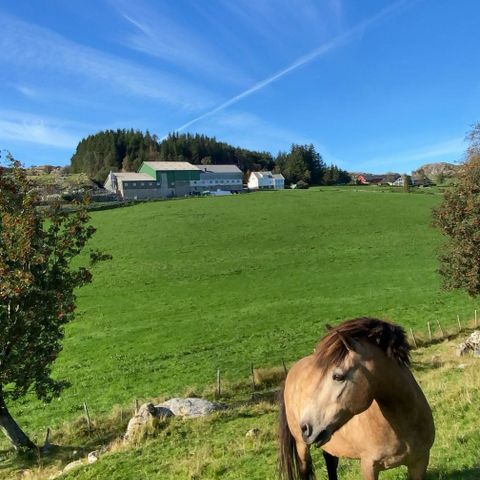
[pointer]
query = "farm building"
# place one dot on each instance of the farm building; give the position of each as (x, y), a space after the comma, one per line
(266, 181)
(218, 177)
(173, 179)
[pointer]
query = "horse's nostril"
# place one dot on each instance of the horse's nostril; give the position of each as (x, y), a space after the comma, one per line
(306, 430)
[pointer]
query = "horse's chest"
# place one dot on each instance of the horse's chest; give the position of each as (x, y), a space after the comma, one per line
(370, 435)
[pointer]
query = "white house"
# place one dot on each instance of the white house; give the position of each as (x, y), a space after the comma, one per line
(266, 181)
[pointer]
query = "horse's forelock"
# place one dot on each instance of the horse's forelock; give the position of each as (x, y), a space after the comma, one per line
(331, 350)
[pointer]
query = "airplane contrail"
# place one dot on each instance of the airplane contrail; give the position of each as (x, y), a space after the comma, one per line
(317, 52)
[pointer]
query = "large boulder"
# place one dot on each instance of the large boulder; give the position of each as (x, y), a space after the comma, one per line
(191, 407)
(146, 414)
(471, 344)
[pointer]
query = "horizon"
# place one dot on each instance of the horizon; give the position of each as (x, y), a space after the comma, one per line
(374, 88)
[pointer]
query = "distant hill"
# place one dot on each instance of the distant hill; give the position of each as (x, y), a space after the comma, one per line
(435, 170)
(115, 150)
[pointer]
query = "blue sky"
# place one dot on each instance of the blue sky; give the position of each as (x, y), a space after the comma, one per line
(375, 85)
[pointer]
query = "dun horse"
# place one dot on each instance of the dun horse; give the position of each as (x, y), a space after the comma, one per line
(355, 397)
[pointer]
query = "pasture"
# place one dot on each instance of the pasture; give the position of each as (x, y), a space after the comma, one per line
(206, 283)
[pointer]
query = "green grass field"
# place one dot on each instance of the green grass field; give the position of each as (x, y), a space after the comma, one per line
(207, 283)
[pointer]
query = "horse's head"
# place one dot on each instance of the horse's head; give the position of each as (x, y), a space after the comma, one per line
(339, 386)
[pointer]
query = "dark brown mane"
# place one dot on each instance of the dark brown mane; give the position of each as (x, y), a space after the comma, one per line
(387, 336)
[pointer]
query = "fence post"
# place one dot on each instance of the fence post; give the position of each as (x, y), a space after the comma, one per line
(441, 329)
(476, 319)
(413, 338)
(87, 415)
(429, 331)
(459, 323)
(253, 377)
(217, 390)
(284, 367)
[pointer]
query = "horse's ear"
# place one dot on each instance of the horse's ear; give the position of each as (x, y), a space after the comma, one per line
(348, 342)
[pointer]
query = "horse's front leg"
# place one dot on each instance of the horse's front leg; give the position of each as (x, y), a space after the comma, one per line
(305, 465)
(369, 470)
(418, 470)
(332, 465)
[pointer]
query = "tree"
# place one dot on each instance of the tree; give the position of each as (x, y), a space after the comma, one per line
(302, 163)
(37, 295)
(407, 182)
(458, 218)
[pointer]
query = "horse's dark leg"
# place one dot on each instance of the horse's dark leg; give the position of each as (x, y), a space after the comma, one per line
(332, 465)
(304, 460)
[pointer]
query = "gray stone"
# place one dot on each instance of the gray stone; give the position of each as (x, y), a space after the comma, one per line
(73, 465)
(253, 432)
(471, 344)
(146, 413)
(191, 407)
(461, 350)
(92, 457)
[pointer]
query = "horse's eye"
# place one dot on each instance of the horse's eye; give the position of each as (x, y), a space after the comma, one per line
(338, 377)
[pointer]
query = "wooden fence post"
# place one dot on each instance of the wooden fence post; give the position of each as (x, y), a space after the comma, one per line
(284, 367)
(87, 416)
(429, 331)
(217, 390)
(413, 338)
(441, 329)
(253, 377)
(459, 323)
(476, 319)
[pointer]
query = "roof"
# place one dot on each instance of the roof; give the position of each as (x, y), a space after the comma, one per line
(171, 166)
(278, 176)
(219, 168)
(262, 174)
(132, 177)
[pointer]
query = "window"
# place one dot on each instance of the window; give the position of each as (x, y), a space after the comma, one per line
(134, 184)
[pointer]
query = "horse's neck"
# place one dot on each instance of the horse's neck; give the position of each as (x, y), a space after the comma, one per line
(397, 391)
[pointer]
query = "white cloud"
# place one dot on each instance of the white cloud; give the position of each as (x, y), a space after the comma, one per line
(23, 127)
(26, 91)
(446, 150)
(161, 36)
(321, 50)
(31, 47)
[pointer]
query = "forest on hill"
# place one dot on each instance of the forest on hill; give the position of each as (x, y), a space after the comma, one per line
(116, 150)
(125, 150)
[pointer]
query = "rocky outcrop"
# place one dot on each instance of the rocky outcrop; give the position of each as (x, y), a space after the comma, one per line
(191, 407)
(470, 345)
(148, 413)
(433, 170)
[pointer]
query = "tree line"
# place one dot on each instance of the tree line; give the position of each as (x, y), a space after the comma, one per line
(125, 150)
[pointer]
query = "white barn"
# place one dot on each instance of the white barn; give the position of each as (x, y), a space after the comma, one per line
(266, 181)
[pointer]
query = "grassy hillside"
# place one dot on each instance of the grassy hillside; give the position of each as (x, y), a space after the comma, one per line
(226, 282)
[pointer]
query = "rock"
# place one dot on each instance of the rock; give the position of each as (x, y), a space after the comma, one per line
(146, 413)
(73, 465)
(253, 432)
(191, 407)
(471, 344)
(92, 457)
(461, 350)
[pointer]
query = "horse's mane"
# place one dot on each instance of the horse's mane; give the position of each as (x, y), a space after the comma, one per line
(390, 338)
